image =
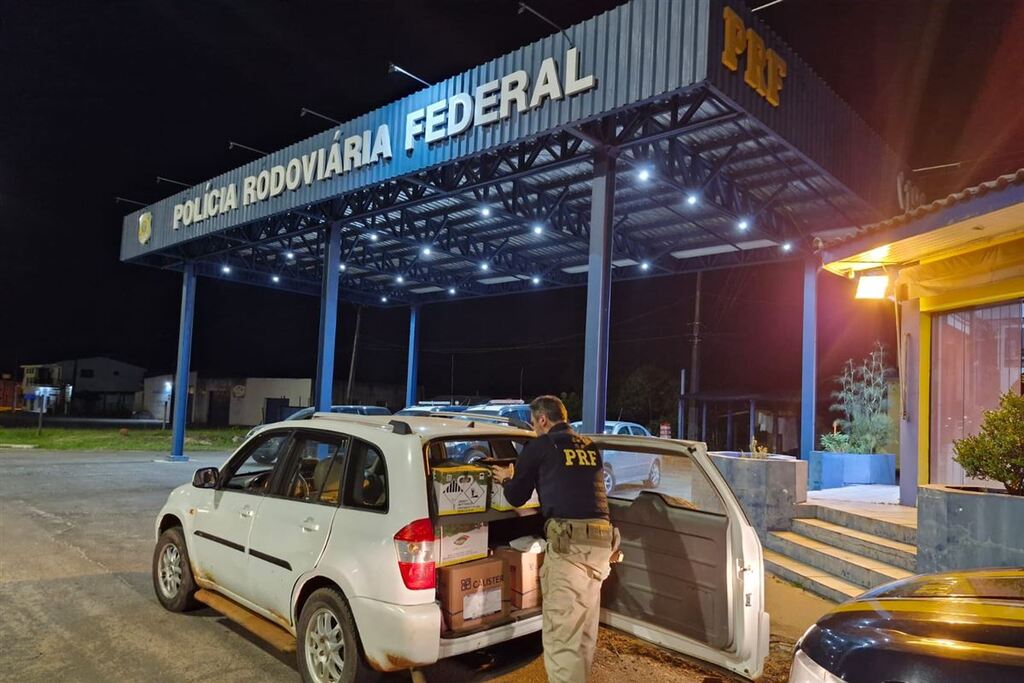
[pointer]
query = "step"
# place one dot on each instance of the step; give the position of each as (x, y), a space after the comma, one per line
(810, 578)
(903, 533)
(846, 565)
(262, 628)
(873, 547)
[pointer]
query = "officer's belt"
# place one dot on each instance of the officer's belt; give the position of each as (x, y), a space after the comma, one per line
(595, 532)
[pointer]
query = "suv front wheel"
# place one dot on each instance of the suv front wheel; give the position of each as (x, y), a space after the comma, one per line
(172, 572)
(328, 649)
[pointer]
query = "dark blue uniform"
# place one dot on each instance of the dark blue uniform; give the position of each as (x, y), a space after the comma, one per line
(566, 470)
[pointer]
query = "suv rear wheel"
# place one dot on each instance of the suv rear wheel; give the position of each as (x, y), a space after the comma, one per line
(172, 572)
(328, 648)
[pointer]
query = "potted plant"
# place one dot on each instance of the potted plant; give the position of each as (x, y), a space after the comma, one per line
(854, 452)
(961, 527)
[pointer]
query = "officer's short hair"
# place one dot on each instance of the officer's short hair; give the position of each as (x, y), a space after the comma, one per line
(551, 407)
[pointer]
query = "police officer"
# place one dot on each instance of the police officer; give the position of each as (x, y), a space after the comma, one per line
(566, 470)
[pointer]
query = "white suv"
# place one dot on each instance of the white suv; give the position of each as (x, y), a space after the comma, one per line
(325, 529)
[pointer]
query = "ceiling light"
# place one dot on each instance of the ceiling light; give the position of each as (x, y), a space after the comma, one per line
(743, 224)
(485, 266)
(537, 228)
(451, 290)
(399, 279)
(289, 255)
(225, 269)
(425, 251)
(276, 278)
(373, 237)
(485, 212)
(787, 246)
(535, 280)
(691, 199)
(383, 299)
(644, 175)
(341, 267)
(645, 265)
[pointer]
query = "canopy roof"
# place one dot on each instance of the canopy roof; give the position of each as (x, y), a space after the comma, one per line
(505, 206)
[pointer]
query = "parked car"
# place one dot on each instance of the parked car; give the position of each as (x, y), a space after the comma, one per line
(331, 542)
(933, 628)
(431, 407)
(307, 412)
(625, 467)
(142, 415)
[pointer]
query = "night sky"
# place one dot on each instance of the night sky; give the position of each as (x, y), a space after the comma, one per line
(101, 97)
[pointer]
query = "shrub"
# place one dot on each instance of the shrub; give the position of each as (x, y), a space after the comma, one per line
(862, 400)
(996, 452)
(835, 442)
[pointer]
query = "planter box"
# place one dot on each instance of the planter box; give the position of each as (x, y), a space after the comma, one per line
(768, 488)
(828, 470)
(968, 527)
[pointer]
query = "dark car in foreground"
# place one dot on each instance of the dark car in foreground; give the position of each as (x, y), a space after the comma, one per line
(963, 627)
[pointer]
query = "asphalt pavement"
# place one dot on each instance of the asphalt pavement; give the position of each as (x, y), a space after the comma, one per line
(77, 601)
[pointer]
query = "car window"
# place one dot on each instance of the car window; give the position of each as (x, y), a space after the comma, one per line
(637, 430)
(315, 467)
(255, 466)
(367, 483)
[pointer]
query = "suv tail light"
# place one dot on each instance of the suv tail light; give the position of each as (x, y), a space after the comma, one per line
(415, 545)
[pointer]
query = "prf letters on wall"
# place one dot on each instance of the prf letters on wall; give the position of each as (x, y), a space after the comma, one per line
(765, 69)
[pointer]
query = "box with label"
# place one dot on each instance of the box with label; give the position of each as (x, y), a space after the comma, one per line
(473, 594)
(461, 489)
(461, 543)
(498, 501)
(522, 574)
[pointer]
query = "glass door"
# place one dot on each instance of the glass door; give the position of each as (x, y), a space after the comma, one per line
(976, 357)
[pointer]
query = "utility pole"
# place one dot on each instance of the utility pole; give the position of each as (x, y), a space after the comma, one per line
(352, 361)
(695, 357)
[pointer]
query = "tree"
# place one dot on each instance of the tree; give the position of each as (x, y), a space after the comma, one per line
(648, 395)
(862, 400)
(996, 452)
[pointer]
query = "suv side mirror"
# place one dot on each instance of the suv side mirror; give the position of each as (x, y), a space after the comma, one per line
(205, 478)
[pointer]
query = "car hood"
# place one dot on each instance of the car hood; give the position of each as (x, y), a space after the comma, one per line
(939, 627)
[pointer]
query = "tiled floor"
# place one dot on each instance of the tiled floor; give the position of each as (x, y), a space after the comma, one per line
(880, 502)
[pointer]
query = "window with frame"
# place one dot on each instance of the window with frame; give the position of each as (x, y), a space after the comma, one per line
(255, 468)
(316, 467)
(367, 484)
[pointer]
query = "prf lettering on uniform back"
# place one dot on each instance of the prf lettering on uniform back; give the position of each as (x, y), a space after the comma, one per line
(765, 68)
(578, 456)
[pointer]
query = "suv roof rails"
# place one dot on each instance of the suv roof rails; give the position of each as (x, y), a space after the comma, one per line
(399, 427)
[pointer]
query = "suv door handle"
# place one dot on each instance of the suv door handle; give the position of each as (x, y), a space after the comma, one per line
(246, 511)
(309, 524)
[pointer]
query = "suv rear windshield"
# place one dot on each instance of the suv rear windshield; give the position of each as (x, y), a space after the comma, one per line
(463, 451)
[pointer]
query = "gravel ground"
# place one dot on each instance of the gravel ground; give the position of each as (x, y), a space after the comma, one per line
(77, 603)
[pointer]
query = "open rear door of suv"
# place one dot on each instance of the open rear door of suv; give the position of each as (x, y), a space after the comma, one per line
(693, 575)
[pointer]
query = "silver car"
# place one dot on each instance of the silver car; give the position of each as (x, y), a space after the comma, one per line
(628, 468)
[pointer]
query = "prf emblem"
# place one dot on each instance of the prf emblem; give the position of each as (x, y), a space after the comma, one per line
(765, 68)
(145, 227)
(578, 456)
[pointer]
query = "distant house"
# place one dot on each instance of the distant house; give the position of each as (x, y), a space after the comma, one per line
(84, 386)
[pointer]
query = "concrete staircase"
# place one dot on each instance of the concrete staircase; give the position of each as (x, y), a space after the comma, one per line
(839, 554)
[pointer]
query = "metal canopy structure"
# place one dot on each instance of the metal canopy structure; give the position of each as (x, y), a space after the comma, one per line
(657, 153)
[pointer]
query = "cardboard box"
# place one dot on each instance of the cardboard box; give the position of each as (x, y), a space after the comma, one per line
(522, 574)
(461, 489)
(498, 501)
(461, 543)
(473, 594)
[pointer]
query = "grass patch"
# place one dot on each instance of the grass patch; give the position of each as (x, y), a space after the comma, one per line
(57, 439)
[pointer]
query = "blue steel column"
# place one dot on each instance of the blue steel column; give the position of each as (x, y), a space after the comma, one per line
(413, 365)
(599, 287)
(323, 393)
(808, 384)
(180, 388)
